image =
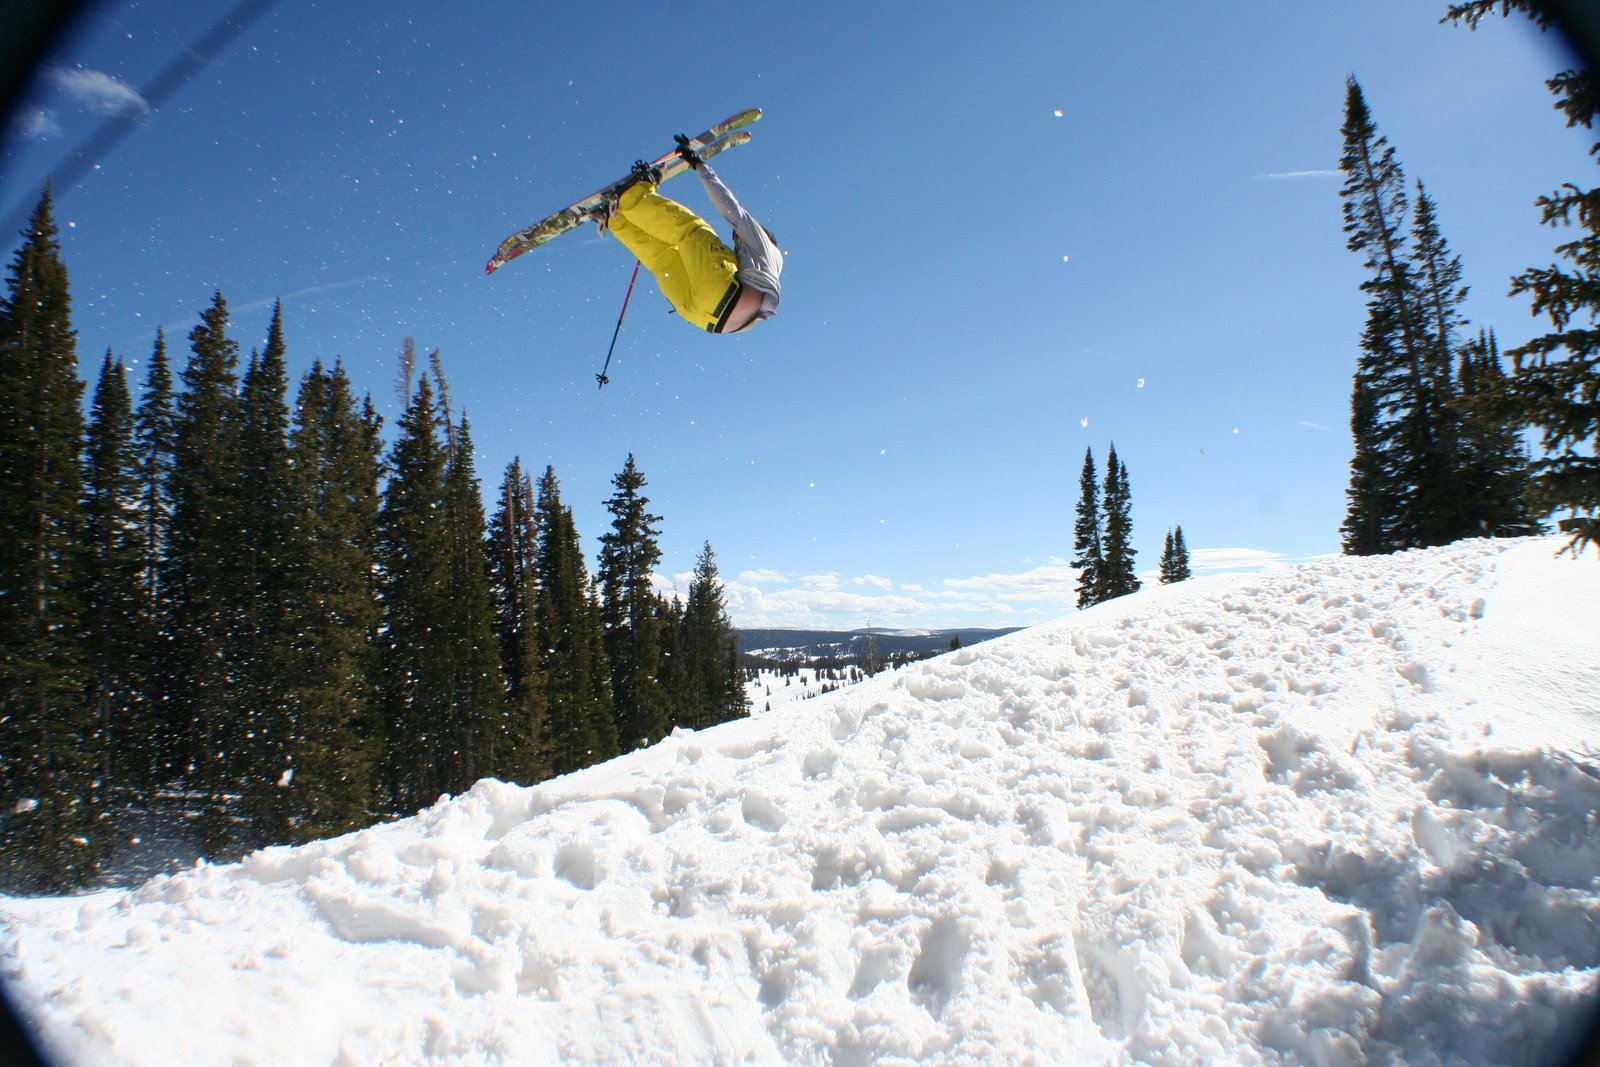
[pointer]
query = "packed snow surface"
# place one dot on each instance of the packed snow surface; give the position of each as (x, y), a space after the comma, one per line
(1338, 813)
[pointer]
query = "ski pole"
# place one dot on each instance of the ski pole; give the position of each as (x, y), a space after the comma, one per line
(601, 377)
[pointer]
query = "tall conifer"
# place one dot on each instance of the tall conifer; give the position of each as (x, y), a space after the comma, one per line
(269, 556)
(114, 557)
(514, 591)
(50, 761)
(413, 552)
(577, 681)
(1086, 547)
(1553, 384)
(155, 444)
(204, 574)
(631, 612)
(1174, 558)
(1117, 574)
(331, 745)
(484, 744)
(710, 648)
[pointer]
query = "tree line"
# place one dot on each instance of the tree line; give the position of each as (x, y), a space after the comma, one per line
(256, 606)
(1102, 536)
(1440, 424)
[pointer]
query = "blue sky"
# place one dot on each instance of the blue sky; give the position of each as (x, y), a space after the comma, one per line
(1013, 231)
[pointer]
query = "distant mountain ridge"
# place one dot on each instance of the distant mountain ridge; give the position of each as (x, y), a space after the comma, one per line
(821, 644)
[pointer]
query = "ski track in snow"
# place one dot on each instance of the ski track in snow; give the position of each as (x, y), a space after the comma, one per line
(1338, 813)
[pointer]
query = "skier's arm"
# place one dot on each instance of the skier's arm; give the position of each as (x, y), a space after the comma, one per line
(728, 206)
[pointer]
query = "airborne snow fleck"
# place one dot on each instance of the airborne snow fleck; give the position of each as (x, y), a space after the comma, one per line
(1343, 812)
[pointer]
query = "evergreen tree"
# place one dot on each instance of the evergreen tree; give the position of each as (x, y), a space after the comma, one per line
(710, 649)
(1494, 459)
(1442, 492)
(1553, 384)
(1174, 558)
(50, 786)
(269, 557)
(1117, 576)
(414, 564)
(331, 741)
(484, 744)
(114, 558)
(582, 730)
(203, 575)
(1406, 486)
(631, 612)
(514, 592)
(155, 444)
(1086, 547)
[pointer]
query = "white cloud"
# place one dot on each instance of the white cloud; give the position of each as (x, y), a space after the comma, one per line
(1216, 560)
(872, 580)
(763, 577)
(35, 124)
(1056, 581)
(1289, 174)
(99, 92)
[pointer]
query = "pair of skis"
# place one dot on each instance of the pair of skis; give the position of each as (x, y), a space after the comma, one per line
(728, 133)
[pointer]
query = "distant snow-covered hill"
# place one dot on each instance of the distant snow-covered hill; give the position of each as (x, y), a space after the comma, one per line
(845, 644)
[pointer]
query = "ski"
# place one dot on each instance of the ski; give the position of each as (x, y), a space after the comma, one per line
(726, 134)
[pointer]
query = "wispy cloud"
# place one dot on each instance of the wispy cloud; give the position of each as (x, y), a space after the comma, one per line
(1218, 560)
(35, 124)
(1308, 424)
(1290, 174)
(1034, 594)
(99, 92)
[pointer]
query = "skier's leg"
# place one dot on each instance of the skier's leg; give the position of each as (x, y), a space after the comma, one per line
(694, 268)
(660, 259)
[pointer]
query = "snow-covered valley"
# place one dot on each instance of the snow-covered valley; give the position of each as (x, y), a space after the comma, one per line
(1339, 813)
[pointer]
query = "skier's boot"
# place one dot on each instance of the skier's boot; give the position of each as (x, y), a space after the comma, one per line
(686, 150)
(601, 215)
(646, 172)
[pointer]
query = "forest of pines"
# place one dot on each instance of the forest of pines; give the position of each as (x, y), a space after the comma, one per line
(250, 604)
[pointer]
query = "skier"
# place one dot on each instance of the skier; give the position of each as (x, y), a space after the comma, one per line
(721, 289)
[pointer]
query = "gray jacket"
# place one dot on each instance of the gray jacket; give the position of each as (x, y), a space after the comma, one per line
(760, 262)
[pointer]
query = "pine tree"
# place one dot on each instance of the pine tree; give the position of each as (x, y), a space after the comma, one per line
(484, 744)
(1087, 554)
(269, 556)
(710, 648)
(413, 553)
(514, 591)
(1174, 558)
(582, 729)
(204, 571)
(50, 758)
(331, 745)
(630, 612)
(155, 444)
(1442, 492)
(1494, 459)
(1406, 486)
(114, 558)
(1117, 575)
(1555, 378)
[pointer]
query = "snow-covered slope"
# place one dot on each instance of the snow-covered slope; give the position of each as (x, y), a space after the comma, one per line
(1342, 813)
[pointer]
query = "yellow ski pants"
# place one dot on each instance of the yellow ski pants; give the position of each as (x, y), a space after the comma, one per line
(690, 262)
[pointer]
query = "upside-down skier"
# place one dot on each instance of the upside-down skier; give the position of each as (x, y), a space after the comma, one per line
(712, 286)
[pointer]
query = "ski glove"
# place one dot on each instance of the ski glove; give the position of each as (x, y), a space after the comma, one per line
(686, 150)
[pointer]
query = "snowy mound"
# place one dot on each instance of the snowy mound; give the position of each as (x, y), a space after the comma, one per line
(1340, 813)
